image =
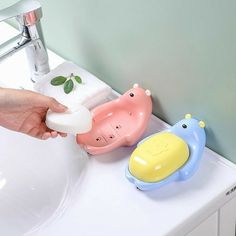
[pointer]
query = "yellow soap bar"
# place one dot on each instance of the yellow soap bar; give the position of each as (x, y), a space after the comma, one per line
(158, 157)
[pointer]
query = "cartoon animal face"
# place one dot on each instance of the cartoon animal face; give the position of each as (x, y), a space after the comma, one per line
(170, 155)
(118, 122)
(137, 96)
(189, 128)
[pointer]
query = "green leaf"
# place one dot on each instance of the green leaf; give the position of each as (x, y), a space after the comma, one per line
(59, 80)
(68, 86)
(78, 79)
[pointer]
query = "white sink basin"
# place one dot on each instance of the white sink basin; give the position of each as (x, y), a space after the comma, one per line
(38, 179)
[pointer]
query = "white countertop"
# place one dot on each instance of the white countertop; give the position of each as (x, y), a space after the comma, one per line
(106, 203)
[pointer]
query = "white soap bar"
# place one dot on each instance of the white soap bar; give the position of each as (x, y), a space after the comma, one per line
(77, 120)
(90, 93)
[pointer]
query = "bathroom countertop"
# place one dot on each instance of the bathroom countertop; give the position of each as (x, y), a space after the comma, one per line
(106, 203)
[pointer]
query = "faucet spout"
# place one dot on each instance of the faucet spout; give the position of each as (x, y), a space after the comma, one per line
(28, 14)
(15, 44)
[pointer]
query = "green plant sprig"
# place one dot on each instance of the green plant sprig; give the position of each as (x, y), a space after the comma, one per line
(67, 81)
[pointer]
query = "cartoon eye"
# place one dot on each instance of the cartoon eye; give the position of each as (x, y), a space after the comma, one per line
(131, 95)
(184, 126)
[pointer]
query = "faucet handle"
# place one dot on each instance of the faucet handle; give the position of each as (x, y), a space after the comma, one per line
(26, 11)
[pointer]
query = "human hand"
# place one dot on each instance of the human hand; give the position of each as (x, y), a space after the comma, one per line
(25, 111)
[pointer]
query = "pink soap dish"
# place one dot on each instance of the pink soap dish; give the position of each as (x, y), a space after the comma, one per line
(117, 123)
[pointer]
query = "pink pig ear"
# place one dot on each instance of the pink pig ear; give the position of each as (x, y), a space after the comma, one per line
(148, 92)
(135, 86)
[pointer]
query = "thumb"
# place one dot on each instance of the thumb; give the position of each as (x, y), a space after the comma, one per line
(55, 106)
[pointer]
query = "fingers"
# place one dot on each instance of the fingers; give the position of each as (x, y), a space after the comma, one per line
(55, 106)
(44, 133)
(46, 136)
(40, 100)
(63, 135)
(52, 134)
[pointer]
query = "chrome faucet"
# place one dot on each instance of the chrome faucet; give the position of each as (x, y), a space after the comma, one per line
(28, 14)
